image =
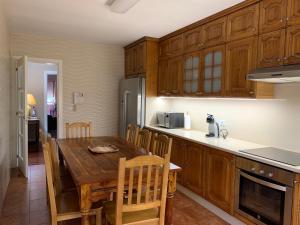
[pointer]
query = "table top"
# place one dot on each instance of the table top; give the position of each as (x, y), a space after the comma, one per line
(101, 169)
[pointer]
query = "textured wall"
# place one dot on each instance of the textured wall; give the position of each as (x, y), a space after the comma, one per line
(4, 106)
(269, 122)
(93, 69)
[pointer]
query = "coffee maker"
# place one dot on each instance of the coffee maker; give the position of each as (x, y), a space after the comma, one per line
(213, 127)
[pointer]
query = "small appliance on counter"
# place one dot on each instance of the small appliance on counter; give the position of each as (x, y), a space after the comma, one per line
(213, 127)
(170, 120)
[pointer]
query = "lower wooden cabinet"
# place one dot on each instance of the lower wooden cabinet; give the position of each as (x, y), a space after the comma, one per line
(178, 157)
(194, 169)
(219, 179)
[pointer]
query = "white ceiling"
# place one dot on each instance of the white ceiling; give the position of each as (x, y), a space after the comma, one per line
(91, 20)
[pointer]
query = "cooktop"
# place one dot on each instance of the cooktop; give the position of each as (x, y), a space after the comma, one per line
(275, 154)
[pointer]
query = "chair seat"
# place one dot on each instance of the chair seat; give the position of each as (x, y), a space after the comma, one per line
(128, 217)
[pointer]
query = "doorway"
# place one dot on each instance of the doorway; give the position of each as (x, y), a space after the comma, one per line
(40, 99)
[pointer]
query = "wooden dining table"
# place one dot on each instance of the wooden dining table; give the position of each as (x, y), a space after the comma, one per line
(96, 175)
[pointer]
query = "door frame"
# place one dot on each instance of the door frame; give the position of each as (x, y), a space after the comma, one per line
(59, 63)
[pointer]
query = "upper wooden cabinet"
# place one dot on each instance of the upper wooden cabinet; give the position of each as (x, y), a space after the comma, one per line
(293, 12)
(170, 76)
(243, 23)
(292, 45)
(241, 59)
(272, 15)
(271, 48)
(193, 40)
(213, 71)
(141, 59)
(214, 32)
(219, 179)
(171, 47)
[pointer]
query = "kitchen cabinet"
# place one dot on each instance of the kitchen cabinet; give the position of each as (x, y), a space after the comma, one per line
(192, 82)
(292, 45)
(178, 154)
(141, 59)
(214, 32)
(194, 169)
(213, 71)
(219, 179)
(170, 76)
(243, 23)
(293, 12)
(272, 15)
(271, 48)
(193, 40)
(171, 47)
(241, 59)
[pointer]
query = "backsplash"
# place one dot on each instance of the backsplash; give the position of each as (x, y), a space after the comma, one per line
(268, 122)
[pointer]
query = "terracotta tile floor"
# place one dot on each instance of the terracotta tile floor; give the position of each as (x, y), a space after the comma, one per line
(26, 203)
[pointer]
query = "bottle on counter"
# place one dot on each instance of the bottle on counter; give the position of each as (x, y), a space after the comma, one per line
(187, 121)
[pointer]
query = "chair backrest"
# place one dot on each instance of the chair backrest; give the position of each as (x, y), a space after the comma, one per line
(50, 179)
(162, 145)
(132, 133)
(144, 139)
(78, 130)
(149, 176)
(42, 135)
(55, 163)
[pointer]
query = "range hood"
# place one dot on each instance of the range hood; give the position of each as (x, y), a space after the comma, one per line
(277, 75)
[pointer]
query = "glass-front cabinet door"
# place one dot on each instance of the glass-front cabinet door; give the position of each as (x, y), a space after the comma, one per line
(213, 71)
(191, 74)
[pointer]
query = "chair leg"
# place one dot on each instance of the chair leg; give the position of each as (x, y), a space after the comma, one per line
(99, 216)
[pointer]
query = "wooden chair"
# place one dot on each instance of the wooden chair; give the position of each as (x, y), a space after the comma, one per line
(78, 130)
(42, 135)
(144, 139)
(162, 145)
(63, 206)
(147, 206)
(63, 181)
(132, 133)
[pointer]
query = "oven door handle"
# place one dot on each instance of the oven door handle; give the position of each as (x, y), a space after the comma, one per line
(262, 182)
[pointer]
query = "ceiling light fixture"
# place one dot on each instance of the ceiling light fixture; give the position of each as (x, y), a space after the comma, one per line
(122, 6)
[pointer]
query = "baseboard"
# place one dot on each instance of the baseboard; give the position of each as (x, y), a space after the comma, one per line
(219, 212)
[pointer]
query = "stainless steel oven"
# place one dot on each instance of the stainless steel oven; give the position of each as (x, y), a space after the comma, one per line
(263, 193)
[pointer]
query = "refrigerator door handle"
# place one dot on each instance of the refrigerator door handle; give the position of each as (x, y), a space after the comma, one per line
(125, 96)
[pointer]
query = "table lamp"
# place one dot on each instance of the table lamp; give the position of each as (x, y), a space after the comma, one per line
(32, 103)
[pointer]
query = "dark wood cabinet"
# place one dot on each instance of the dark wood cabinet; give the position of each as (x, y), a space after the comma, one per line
(194, 169)
(293, 12)
(292, 45)
(214, 33)
(272, 15)
(219, 179)
(243, 23)
(241, 59)
(271, 48)
(178, 157)
(141, 59)
(170, 76)
(33, 135)
(193, 40)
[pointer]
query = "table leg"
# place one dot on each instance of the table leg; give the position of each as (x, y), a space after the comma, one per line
(170, 197)
(85, 203)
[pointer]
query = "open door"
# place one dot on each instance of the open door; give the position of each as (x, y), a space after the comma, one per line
(22, 122)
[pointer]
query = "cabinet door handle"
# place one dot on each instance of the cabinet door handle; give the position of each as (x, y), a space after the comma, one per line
(279, 59)
(251, 92)
(287, 19)
(281, 20)
(199, 93)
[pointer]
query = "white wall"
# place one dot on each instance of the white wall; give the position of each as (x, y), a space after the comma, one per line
(4, 106)
(93, 69)
(268, 122)
(35, 86)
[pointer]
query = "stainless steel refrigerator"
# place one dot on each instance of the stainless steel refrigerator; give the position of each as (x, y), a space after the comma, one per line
(132, 103)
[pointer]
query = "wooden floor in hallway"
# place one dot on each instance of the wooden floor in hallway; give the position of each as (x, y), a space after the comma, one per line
(26, 202)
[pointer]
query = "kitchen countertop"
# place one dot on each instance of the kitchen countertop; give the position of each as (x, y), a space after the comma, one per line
(230, 145)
